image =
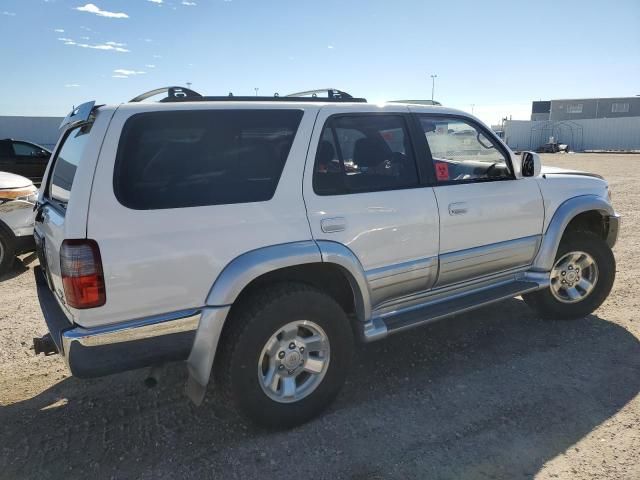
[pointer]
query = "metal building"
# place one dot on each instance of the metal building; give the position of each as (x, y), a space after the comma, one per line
(41, 130)
(586, 108)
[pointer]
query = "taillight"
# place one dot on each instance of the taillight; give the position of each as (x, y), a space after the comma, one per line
(82, 278)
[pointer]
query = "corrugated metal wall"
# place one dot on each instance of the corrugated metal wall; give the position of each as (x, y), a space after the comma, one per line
(591, 134)
(41, 130)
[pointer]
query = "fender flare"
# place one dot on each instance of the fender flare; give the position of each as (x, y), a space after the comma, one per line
(243, 270)
(566, 212)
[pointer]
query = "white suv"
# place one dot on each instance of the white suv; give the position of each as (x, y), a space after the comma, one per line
(256, 237)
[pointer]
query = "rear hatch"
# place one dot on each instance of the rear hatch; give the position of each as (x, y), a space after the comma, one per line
(61, 212)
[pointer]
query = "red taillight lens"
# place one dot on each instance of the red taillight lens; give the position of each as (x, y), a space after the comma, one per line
(82, 278)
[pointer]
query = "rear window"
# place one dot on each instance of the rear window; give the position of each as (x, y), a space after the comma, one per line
(205, 157)
(66, 163)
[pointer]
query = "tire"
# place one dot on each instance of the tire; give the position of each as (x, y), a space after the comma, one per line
(245, 364)
(7, 251)
(549, 306)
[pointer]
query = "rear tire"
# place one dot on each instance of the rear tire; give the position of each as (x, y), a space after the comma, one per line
(7, 252)
(582, 278)
(264, 367)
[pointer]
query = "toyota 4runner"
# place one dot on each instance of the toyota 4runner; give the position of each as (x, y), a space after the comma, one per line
(256, 237)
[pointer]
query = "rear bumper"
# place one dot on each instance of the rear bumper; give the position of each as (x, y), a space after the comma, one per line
(99, 351)
(613, 230)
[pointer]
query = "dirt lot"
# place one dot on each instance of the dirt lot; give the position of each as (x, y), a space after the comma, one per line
(495, 393)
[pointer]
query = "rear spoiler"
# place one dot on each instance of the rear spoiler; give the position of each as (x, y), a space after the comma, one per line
(78, 115)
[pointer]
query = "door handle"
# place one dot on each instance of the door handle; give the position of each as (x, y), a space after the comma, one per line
(332, 225)
(457, 208)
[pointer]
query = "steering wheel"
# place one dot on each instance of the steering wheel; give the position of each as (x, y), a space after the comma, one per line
(487, 172)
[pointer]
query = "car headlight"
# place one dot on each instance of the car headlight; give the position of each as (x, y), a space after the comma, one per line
(27, 194)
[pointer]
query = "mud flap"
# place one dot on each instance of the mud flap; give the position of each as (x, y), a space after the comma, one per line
(200, 361)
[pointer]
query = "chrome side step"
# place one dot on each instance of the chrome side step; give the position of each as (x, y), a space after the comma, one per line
(381, 326)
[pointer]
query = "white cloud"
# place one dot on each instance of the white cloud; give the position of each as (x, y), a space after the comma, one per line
(119, 76)
(128, 73)
(91, 8)
(59, 30)
(71, 85)
(150, 66)
(157, 56)
(330, 47)
(189, 4)
(155, 1)
(8, 14)
(113, 46)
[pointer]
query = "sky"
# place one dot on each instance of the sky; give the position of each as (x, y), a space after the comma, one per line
(491, 58)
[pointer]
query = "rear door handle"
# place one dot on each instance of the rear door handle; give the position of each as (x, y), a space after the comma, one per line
(332, 225)
(457, 208)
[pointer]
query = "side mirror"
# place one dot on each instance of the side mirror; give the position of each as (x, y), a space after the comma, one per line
(531, 164)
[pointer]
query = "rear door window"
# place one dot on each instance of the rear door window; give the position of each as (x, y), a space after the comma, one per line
(66, 163)
(205, 157)
(364, 153)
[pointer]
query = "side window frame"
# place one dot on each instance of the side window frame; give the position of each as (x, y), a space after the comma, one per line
(422, 140)
(409, 129)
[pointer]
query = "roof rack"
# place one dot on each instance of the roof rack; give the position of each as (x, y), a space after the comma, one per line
(173, 94)
(181, 94)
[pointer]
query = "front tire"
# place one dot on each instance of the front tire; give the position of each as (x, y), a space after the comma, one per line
(581, 278)
(285, 355)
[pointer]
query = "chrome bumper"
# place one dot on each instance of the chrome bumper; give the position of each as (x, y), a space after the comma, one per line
(614, 229)
(98, 351)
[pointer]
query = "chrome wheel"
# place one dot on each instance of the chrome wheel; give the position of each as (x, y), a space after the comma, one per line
(294, 361)
(574, 277)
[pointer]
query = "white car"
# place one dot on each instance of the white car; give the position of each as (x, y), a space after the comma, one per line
(17, 199)
(254, 238)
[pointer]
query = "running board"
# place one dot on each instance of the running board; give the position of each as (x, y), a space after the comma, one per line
(380, 327)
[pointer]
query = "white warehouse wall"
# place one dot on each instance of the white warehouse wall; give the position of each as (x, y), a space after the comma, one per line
(587, 134)
(41, 130)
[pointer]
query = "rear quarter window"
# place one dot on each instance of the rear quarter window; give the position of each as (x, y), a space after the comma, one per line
(184, 159)
(66, 163)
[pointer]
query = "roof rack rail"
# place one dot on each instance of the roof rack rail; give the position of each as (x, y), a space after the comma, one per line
(332, 93)
(181, 94)
(173, 93)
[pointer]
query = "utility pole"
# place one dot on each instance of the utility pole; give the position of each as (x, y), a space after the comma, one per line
(189, 85)
(256, 89)
(472, 106)
(433, 85)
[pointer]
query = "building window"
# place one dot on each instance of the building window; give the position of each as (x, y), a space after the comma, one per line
(619, 107)
(574, 108)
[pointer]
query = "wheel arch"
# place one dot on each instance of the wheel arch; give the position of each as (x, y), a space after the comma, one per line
(316, 263)
(589, 212)
(320, 264)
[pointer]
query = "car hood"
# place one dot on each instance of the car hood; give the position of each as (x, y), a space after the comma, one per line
(548, 170)
(11, 180)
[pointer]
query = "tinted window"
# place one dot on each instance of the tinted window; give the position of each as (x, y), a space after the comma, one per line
(461, 152)
(364, 153)
(204, 157)
(66, 163)
(25, 150)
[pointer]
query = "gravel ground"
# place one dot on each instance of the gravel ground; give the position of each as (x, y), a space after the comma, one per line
(495, 393)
